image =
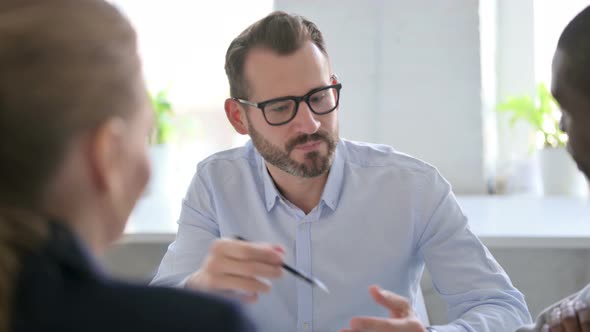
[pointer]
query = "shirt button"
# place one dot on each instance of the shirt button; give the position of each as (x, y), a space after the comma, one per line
(306, 326)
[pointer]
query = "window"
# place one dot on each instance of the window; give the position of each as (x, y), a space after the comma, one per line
(183, 45)
(529, 31)
(551, 17)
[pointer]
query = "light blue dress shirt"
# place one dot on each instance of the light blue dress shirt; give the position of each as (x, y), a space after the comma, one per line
(383, 217)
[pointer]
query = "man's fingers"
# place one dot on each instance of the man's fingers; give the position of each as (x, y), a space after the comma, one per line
(397, 305)
(241, 296)
(225, 265)
(555, 320)
(583, 313)
(569, 320)
(238, 266)
(248, 251)
(378, 324)
(248, 298)
(570, 324)
(237, 283)
(370, 324)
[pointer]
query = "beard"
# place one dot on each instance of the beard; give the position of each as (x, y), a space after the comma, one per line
(315, 164)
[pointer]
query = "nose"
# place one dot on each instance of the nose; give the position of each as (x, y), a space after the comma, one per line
(305, 121)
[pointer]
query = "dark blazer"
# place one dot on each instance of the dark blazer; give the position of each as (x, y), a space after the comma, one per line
(59, 288)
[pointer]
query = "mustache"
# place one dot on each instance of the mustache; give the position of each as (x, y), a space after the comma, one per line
(305, 138)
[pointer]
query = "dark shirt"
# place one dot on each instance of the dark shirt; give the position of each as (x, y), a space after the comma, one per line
(59, 288)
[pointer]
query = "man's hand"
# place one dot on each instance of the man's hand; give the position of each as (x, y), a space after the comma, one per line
(239, 266)
(572, 316)
(401, 316)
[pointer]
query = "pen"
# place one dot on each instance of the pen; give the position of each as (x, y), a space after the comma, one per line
(310, 280)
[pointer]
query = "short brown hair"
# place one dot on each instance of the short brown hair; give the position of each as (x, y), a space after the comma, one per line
(281, 32)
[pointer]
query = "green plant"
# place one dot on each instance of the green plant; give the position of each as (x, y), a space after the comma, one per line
(164, 127)
(540, 111)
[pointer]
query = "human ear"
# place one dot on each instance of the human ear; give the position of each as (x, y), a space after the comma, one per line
(105, 151)
(235, 115)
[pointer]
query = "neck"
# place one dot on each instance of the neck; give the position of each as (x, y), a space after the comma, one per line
(69, 199)
(90, 234)
(305, 193)
(86, 226)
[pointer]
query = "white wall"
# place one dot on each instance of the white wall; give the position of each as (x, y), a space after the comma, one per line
(515, 76)
(412, 78)
(488, 21)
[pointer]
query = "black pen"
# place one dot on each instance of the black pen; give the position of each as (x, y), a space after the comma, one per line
(310, 280)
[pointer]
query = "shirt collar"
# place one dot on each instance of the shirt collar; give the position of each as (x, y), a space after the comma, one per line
(331, 194)
(333, 188)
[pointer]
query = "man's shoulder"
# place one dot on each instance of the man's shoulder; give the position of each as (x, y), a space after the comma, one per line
(372, 155)
(243, 155)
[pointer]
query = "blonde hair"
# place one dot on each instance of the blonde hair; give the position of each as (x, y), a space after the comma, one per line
(67, 66)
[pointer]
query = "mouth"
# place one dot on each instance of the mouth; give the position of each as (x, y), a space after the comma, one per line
(310, 146)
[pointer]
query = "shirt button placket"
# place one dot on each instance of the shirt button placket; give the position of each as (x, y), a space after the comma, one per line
(304, 290)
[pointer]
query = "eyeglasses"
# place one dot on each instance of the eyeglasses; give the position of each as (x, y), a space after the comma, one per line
(279, 111)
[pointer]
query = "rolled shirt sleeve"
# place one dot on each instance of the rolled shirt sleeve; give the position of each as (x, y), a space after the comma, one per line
(197, 229)
(478, 292)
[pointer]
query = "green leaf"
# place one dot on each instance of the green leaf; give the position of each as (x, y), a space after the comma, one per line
(535, 110)
(163, 113)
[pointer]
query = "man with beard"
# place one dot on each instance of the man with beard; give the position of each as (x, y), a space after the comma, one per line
(571, 88)
(355, 215)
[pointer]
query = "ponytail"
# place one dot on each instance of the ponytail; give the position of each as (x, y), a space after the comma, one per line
(21, 233)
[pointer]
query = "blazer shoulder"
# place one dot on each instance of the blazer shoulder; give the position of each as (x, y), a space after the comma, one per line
(168, 309)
